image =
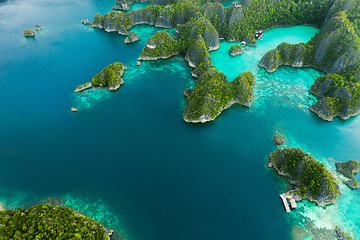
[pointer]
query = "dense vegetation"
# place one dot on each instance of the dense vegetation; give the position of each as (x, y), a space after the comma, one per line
(131, 37)
(236, 50)
(213, 93)
(338, 97)
(159, 46)
(49, 222)
(335, 49)
(29, 33)
(311, 178)
(110, 76)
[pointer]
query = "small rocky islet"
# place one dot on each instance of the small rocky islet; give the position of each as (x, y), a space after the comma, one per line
(349, 169)
(29, 33)
(279, 139)
(236, 50)
(110, 76)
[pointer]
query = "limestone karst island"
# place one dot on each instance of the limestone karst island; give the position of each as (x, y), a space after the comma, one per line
(180, 119)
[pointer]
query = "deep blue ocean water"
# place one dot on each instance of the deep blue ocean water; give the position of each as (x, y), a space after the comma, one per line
(127, 158)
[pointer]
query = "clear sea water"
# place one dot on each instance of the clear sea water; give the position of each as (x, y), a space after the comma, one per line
(127, 158)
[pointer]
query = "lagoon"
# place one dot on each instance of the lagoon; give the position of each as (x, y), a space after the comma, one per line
(128, 159)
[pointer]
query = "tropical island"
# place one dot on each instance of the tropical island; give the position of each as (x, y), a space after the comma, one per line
(236, 50)
(49, 221)
(310, 178)
(29, 33)
(335, 49)
(349, 169)
(110, 76)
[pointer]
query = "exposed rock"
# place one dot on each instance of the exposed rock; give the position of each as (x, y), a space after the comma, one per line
(236, 50)
(131, 37)
(160, 46)
(349, 169)
(271, 61)
(138, 63)
(286, 54)
(279, 139)
(211, 36)
(310, 178)
(215, 12)
(325, 109)
(164, 19)
(83, 87)
(341, 235)
(337, 97)
(200, 26)
(236, 14)
(98, 21)
(196, 52)
(187, 92)
(336, 49)
(203, 67)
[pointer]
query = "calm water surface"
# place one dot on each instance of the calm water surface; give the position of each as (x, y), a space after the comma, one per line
(128, 159)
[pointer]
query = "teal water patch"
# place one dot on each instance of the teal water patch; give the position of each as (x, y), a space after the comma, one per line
(89, 97)
(249, 60)
(99, 211)
(287, 87)
(227, 3)
(157, 176)
(138, 5)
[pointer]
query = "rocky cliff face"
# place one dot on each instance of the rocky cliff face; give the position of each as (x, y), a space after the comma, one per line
(286, 54)
(236, 14)
(336, 49)
(236, 50)
(349, 169)
(98, 21)
(164, 19)
(215, 12)
(196, 52)
(131, 37)
(160, 46)
(188, 33)
(337, 97)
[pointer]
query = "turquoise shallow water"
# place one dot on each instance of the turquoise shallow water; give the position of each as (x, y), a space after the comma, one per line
(128, 159)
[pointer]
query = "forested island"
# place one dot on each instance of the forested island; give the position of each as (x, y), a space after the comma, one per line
(310, 178)
(47, 221)
(334, 50)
